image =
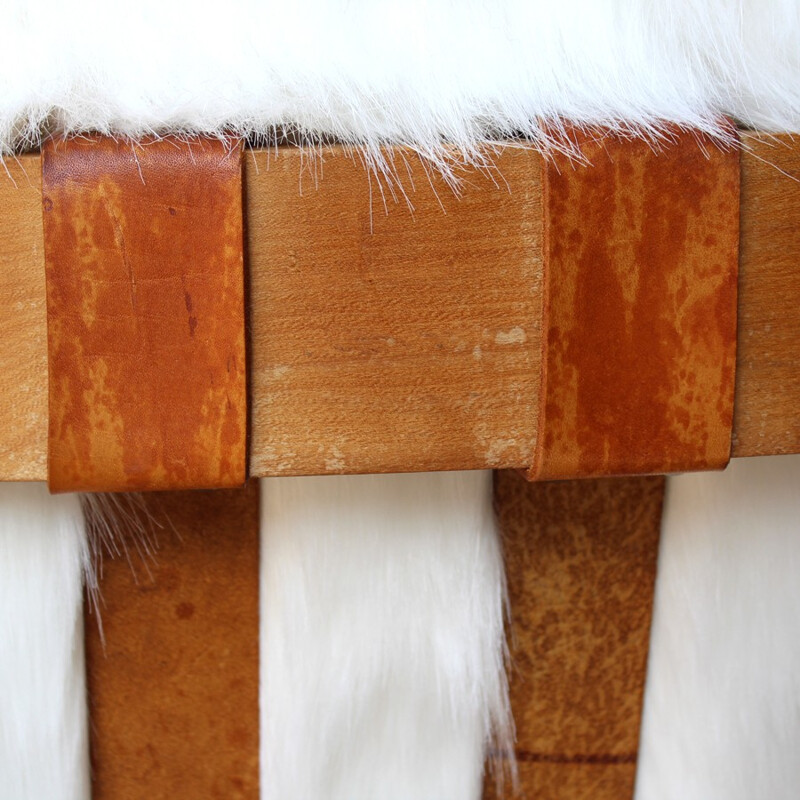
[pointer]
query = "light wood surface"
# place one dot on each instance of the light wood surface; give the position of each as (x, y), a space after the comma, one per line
(393, 333)
(767, 410)
(23, 324)
(335, 386)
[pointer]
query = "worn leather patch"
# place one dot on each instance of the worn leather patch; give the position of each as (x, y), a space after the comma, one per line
(641, 270)
(145, 304)
(173, 676)
(580, 562)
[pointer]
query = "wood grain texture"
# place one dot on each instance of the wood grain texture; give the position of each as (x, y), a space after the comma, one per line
(768, 385)
(394, 333)
(173, 690)
(145, 300)
(641, 280)
(23, 324)
(767, 414)
(580, 563)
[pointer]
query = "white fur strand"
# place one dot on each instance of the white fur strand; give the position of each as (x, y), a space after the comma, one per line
(382, 657)
(422, 73)
(43, 720)
(722, 702)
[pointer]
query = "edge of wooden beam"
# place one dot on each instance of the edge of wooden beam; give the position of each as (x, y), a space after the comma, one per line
(766, 418)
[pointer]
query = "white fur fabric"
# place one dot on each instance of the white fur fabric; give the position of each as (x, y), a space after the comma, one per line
(419, 72)
(722, 702)
(43, 726)
(382, 673)
(381, 662)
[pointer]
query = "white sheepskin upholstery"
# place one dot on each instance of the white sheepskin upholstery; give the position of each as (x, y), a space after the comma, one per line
(382, 673)
(722, 701)
(381, 647)
(419, 72)
(43, 728)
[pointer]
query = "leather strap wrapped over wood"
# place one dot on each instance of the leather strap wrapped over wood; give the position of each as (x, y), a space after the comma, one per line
(641, 250)
(375, 333)
(145, 301)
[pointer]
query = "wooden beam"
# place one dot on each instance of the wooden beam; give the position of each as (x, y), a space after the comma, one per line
(23, 324)
(461, 390)
(389, 338)
(767, 409)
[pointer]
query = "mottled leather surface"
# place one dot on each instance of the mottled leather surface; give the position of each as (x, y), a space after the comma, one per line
(581, 563)
(173, 690)
(641, 262)
(145, 302)
(571, 781)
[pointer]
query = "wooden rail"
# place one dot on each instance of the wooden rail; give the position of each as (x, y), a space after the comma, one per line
(394, 324)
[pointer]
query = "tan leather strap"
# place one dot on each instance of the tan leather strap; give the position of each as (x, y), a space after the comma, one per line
(581, 564)
(145, 302)
(174, 688)
(641, 261)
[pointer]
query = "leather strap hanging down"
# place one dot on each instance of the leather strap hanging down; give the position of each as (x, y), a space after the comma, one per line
(581, 566)
(145, 302)
(173, 678)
